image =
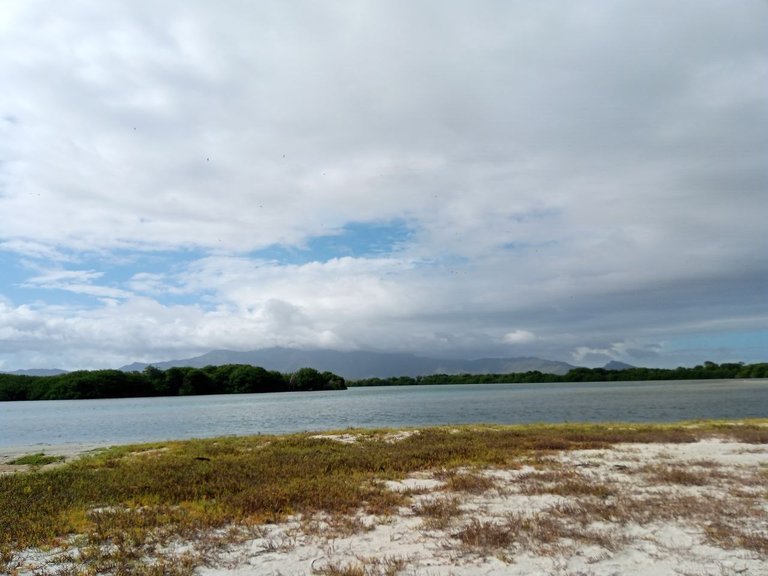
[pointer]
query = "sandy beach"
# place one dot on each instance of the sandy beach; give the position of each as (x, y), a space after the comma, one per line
(656, 509)
(66, 452)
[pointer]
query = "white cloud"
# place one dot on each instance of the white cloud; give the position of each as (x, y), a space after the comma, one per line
(76, 281)
(584, 171)
(519, 337)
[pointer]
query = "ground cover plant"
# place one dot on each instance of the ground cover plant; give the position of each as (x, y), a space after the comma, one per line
(128, 510)
(39, 459)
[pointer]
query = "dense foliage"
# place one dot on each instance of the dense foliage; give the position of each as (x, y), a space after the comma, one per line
(243, 379)
(226, 379)
(708, 370)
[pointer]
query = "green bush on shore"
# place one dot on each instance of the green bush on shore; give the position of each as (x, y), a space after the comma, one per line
(226, 379)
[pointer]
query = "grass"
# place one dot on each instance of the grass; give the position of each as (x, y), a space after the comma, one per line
(364, 567)
(469, 483)
(563, 482)
(39, 459)
(438, 513)
(127, 506)
(486, 535)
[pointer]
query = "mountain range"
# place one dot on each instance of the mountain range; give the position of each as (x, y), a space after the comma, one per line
(37, 372)
(616, 365)
(359, 364)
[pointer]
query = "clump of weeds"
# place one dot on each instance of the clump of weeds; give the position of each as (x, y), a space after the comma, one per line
(387, 566)
(438, 513)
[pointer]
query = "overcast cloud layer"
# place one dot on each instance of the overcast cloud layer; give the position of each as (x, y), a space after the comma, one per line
(580, 181)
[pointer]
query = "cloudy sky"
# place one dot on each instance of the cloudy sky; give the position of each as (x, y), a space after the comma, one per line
(579, 181)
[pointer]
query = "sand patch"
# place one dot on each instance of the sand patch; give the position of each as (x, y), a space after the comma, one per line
(389, 437)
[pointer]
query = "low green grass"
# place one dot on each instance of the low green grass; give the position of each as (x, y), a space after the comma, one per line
(39, 459)
(139, 498)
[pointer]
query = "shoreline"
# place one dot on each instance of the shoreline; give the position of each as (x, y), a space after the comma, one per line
(69, 451)
(73, 450)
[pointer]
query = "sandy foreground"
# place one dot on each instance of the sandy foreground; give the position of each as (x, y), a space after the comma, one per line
(643, 509)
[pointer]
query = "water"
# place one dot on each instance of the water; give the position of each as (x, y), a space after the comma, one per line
(120, 421)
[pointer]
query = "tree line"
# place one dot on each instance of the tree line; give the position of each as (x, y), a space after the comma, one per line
(186, 381)
(247, 379)
(708, 370)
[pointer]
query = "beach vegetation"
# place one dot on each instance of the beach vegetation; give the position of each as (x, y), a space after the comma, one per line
(38, 459)
(438, 513)
(466, 482)
(388, 566)
(128, 507)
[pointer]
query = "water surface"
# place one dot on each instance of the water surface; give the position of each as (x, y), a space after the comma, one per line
(120, 421)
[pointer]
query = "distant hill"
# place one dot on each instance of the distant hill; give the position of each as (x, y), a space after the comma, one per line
(360, 364)
(38, 372)
(616, 365)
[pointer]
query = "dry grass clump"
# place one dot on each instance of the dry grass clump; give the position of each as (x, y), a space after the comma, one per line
(487, 535)
(726, 535)
(566, 525)
(389, 566)
(692, 474)
(562, 482)
(678, 474)
(543, 532)
(438, 513)
(335, 525)
(466, 482)
(722, 520)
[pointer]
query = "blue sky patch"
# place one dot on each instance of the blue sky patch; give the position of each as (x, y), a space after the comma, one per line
(13, 275)
(114, 270)
(750, 345)
(356, 240)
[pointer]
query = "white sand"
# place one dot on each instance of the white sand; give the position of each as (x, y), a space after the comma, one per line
(65, 451)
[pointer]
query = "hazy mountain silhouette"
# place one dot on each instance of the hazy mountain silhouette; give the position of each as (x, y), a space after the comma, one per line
(361, 364)
(38, 372)
(616, 365)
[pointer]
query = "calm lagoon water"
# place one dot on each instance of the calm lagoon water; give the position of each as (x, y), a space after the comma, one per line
(120, 421)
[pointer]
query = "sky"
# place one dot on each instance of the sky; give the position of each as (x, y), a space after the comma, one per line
(579, 181)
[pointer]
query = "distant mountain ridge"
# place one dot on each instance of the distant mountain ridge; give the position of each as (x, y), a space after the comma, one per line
(37, 372)
(356, 365)
(616, 365)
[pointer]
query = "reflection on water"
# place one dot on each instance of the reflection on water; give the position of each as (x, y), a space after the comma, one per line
(146, 419)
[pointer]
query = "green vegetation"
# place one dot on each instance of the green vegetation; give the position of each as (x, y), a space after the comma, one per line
(123, 505)
(245, 379)
(39, 459)
(226, 379)
(706, 371)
